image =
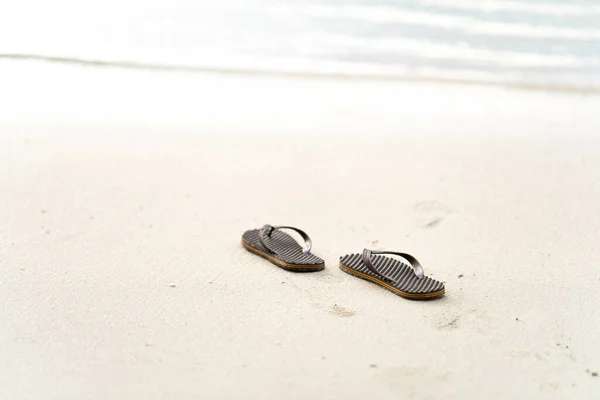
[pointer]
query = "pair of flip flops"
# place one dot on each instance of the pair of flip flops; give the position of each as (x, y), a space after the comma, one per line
(406, 279)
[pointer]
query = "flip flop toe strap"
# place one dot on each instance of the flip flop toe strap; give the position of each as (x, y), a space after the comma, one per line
(413, 262)
(265, 232)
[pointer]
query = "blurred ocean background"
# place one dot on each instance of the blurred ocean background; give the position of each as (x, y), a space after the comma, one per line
(547, 43)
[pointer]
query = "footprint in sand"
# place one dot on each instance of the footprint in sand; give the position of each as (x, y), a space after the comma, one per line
(340, 311)
(431, 213)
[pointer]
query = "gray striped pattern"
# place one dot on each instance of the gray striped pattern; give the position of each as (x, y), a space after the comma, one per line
(407, 280)
(287, 249)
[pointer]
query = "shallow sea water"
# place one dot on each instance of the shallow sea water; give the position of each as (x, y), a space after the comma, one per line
(534, 42)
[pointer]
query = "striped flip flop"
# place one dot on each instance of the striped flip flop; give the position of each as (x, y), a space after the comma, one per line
(407, 280)
(281, 249)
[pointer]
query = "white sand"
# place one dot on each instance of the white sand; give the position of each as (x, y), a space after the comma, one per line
(123, 196)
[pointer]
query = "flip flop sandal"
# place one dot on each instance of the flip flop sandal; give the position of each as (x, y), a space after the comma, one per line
(407, 280)
(281, 249)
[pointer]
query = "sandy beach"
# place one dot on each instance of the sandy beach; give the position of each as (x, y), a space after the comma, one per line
(124, 195)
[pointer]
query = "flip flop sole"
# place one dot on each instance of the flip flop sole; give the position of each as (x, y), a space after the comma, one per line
(281, 263)
(407, 295)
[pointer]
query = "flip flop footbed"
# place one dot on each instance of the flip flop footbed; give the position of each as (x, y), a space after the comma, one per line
(287, 252)
(409, 285)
